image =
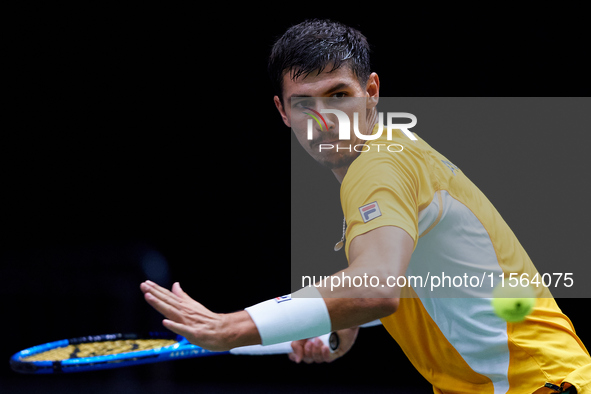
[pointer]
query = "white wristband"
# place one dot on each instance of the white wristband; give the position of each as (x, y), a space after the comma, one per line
(300, 315)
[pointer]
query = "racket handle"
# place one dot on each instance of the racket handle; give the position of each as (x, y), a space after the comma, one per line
(260, 350)
(331, 340)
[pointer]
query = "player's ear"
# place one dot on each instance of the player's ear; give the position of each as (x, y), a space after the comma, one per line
(372, 89)
(281, 110)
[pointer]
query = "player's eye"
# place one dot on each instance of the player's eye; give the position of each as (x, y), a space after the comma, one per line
(337, 97)
(301, 103)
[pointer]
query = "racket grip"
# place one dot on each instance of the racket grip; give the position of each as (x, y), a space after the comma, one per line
(331, 340)
(256, 350)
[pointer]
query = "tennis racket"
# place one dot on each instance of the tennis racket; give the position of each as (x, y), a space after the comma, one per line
(121, 350)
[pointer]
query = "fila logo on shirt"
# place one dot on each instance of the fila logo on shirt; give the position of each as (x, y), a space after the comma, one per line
(370, 211)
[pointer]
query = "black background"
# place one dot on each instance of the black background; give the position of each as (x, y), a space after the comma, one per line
(135, 134)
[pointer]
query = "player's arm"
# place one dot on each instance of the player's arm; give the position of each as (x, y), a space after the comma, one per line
(379, 246)
(382, 252)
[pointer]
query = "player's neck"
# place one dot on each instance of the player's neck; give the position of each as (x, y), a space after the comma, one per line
(340, 173)
(372, 119)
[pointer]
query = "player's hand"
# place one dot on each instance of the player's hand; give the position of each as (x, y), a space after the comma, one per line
(185, 316)
(314, 351)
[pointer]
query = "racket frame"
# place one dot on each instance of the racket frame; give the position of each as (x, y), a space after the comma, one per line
(179, 350)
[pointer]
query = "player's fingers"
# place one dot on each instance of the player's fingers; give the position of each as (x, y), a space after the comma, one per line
(308, 352)
(169, 311)
(317, 353)
(298, 350)
(327, 356)
(293, 357)
(163, 294)
(144, 287)
(177, 328)
(159, 290)
(179, 292)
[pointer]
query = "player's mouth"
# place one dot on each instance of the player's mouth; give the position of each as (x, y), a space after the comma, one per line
(325, 141)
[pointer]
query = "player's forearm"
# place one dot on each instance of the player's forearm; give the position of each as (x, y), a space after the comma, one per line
(351, 305)
(361, 292)
(307, 313)
(314, 311)
(353, 312)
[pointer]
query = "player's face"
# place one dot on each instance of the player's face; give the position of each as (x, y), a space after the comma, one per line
(332, 87)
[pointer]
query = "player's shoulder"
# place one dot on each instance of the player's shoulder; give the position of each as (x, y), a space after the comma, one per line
(386, 156)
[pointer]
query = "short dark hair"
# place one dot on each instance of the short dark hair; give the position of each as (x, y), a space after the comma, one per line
(315, 45)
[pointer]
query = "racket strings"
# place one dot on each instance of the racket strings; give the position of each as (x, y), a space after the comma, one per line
(94, 349)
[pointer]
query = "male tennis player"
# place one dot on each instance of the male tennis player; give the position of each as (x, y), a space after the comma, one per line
(403, 210)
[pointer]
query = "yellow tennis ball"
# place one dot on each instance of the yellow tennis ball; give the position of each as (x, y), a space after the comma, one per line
(513, 304)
